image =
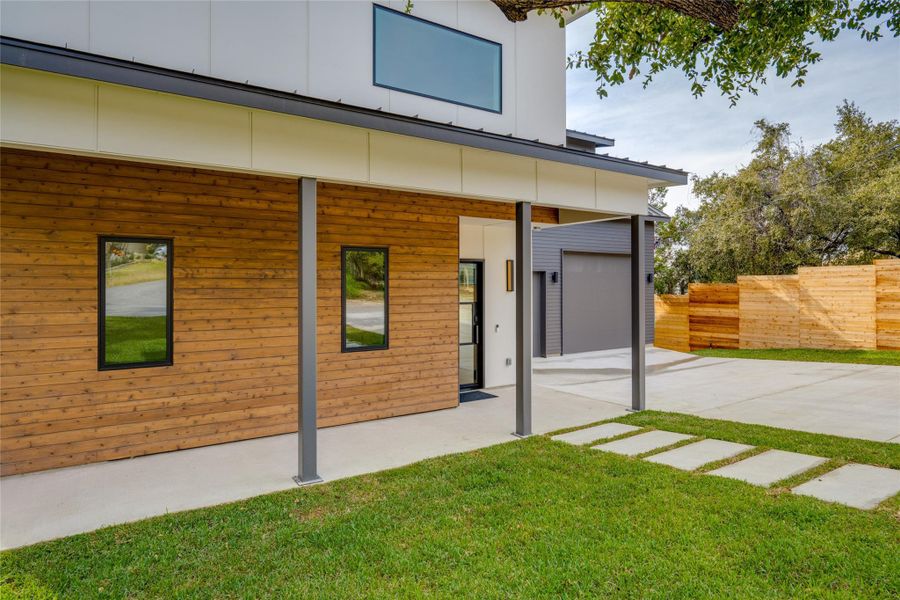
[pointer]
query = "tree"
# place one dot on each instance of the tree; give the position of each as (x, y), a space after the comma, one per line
(730, 44)
(836, 204)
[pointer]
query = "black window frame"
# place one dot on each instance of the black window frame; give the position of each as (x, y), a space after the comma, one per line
(101, 301)
(377, 7)
(387, 304)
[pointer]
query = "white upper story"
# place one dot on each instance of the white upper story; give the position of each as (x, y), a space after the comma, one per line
(322, 49)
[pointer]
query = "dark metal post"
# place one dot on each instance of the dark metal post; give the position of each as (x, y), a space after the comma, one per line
(523, 319)
(638, 313)
(307, 444)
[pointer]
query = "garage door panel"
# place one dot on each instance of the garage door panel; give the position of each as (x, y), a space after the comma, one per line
(596, 301)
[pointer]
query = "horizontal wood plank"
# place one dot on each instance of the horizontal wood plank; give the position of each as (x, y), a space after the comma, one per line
(235, 272)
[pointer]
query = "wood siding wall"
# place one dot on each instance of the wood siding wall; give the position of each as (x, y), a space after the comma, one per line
(235, 297)
(235, 307)
(714, 320)
(420, 369)
(822, 307)
(887, 304)
(769, 311)
(673, 322)
(837, 307)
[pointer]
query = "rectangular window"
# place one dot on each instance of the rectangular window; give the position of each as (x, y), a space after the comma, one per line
(135, 304)
(364, 295)
(420, 57)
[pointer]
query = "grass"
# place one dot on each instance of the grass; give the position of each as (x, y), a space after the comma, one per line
(864, 357)
(136, 272)
(829, 446)
(534, 518)
(361, 337)
(135, 339)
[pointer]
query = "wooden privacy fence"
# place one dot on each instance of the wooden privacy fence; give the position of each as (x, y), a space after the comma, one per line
(820, 307)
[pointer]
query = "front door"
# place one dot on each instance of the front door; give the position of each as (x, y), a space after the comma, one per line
(471, 361)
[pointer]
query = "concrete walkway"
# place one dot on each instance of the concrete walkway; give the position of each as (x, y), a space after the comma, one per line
(51, 504)
(859, 486)
(861, 401)
(849, 400)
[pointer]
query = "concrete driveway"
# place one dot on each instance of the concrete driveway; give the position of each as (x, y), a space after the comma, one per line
(147, 299)
(861, 401)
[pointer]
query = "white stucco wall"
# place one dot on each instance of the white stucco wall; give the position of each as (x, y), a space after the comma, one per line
(494, 243)
(320, 48)
(46, 111)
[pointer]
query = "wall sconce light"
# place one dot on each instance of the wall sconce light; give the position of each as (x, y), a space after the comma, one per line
(649, 277)
(510, 276)
(554, 276)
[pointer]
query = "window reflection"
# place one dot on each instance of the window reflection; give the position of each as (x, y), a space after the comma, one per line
(365, 280)
(136, 319)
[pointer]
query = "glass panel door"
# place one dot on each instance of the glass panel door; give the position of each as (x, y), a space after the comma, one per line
(470, 345)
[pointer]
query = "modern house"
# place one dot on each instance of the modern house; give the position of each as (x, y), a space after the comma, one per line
(228, 220)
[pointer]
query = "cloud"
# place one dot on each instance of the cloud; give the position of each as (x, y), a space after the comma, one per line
(666, 125)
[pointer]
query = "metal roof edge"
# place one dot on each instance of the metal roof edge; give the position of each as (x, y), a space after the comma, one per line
(598, 140)
(63, 61)
(657, 214)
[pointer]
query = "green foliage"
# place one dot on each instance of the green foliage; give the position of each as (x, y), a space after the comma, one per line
(845, 449)
(836, 204)
(530, 519)
(361, 337)
(860, 357)
(135, 339)
(367, 268)
(136, 272)
(637, 39)
(353, 288)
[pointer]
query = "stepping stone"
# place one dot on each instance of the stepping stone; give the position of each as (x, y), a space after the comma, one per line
(693, 456)
(770, 466)
(643, 442)
(859, 486)
(591, 434)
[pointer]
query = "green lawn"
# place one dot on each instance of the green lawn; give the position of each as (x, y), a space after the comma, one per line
(136, 272)
(866, 357)
(362, 337)
(135, 339)
(830, 446)
(534, 518)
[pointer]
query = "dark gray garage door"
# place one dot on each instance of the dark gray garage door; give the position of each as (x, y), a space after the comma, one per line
(596, 313)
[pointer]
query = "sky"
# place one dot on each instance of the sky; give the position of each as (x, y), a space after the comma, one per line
(665, 124)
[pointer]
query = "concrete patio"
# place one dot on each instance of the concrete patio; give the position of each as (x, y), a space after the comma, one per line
(61, 502)
(860, 401)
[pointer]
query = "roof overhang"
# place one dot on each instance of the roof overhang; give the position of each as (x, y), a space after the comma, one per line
(31, 55)
(655, 214)
(598, 141)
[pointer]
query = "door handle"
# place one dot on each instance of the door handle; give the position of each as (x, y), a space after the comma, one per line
(477, 334)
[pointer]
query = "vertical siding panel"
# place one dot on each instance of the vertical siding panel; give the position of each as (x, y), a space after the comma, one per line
(612, 237)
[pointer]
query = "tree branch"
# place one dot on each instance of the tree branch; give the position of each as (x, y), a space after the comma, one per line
(721, 13)
(882, 252)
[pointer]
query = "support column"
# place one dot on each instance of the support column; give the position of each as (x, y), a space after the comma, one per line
(638, 313)
(523, 319)
(307, 444)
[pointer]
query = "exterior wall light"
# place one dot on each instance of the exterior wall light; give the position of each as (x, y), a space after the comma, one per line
(510, 276)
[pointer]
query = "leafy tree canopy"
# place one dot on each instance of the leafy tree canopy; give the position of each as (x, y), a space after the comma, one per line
(729, 44)
(838, 203)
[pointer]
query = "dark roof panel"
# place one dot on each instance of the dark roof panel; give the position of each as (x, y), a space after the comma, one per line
(598, 141)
